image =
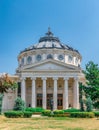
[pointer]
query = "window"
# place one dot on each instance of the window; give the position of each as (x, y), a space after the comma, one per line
(22, 61)
(60, 57)
(76, 61)
(29, 59)
(49, 56)
(70, 58)
(38, 57)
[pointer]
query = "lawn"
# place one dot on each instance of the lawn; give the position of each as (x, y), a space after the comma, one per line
(48, 123)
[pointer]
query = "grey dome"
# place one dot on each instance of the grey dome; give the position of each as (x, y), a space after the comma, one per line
(49, 42)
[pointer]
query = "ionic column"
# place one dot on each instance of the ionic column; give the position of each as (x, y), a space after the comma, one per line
(44, 92)
(23, 89)
(65, 93)
(33, 93)
(76, 93)
(55, 93)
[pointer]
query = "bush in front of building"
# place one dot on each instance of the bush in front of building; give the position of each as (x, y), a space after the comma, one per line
(46, 112)
(89, 105)
(72, 110)
(58, 112)
(27, 114)
(17, 114)
(82, 114)
(34, 110)
(55, 113)
(13, 114)
(96, 113)
(19, 104)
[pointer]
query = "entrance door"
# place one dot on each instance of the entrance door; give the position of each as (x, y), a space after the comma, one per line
(49, 96)
(59, 101)
(39, 100)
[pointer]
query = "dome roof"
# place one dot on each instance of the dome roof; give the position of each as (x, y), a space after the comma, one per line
(49, 41)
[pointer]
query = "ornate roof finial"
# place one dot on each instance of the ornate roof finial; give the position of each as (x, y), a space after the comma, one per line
(49, 33)
(49, 29)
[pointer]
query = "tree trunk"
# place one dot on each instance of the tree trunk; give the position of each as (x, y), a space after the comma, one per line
(1, 99)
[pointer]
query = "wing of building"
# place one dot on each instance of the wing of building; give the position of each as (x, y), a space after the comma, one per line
(50, 70)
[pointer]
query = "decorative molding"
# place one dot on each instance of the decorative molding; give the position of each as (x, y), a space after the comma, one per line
(33, 78)
(44, 78)
(66, 78)
(55, 78)
(23, 78)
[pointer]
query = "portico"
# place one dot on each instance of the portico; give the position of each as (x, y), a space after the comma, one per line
(37, 91)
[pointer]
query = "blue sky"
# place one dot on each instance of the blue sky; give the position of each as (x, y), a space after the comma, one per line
(23, 22)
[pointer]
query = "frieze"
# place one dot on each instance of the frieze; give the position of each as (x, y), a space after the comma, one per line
(47, 74)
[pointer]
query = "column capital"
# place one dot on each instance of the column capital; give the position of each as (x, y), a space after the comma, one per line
(76, 78)
(33, 78)
(44, 78)
(55, 78)
(66, 78)
(23, 78)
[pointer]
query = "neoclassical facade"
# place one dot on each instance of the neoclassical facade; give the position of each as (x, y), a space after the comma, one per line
(50, 69)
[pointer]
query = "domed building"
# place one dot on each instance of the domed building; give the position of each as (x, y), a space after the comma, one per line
(50, 70)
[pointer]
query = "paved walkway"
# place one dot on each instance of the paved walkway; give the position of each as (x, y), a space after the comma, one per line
(36, 115)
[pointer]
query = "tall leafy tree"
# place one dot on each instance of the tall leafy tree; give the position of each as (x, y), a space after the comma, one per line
(5, 84)
(92, 84)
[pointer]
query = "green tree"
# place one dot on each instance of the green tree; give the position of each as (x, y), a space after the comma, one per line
(19, 104)
(5, 84)
(89, 105)
(81, 95)
(92, 84)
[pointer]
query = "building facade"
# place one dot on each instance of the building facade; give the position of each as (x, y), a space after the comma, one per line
(50, 70)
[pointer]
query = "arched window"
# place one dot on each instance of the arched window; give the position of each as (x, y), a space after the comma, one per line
(70, 58)
(38, 57)
(49, 56)
(29, 59)
(60, 57)
(76, 61)
(22, 61)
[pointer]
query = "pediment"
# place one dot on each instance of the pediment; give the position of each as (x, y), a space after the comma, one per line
(50, 65)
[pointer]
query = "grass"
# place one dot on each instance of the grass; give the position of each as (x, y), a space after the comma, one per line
(48, 123)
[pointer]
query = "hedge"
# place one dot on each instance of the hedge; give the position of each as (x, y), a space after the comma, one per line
(58, 112)
(13, 114)
(72, 110)
(16, 114)
(46, 112)
(96, 113)
(33, 110)
(27, 114)
(82, 114)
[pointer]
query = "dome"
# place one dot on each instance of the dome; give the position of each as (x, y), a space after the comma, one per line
(49, 47)
(49, 41)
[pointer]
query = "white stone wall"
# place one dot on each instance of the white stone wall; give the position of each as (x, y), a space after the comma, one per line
(8, 100)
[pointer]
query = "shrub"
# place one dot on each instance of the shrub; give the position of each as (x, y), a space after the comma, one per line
(72, 110)
(81, 105)
(13, 114)
(27, 114)
(82, 114)
(58, 112)
(96, 113)
(46, 112)
(37, 109)
(19, 105)
(89, 104)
